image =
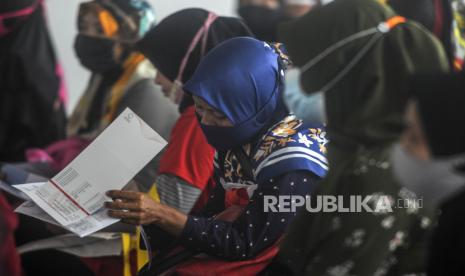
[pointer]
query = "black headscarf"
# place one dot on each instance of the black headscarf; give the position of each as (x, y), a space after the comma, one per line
(30, 113)
(441, 105)
(263, 21)
(10, 6)
(167, 43)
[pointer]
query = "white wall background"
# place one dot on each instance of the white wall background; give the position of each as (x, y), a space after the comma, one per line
(62, 22)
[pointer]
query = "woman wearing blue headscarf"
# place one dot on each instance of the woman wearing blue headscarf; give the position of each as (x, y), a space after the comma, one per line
(263, 152)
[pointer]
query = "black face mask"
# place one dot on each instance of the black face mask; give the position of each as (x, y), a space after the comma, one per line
(96, 54)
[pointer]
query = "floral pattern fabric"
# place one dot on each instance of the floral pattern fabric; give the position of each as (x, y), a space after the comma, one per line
(288, 144)
(382, 242)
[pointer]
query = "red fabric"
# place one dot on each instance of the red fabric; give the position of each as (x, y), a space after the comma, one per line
(188, 155)
(438, 19)
(63, 91)
(9, 259)
(109, 266)
(204, 265)
(237, 197)
(458, 64)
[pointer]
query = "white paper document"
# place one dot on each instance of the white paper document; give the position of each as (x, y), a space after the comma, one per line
(82, 228)
(75, 196)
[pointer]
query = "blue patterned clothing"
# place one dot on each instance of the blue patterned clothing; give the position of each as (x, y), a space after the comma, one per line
(288, 160)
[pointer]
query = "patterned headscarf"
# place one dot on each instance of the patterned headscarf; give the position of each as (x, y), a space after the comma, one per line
(458, 33)
(125, 20)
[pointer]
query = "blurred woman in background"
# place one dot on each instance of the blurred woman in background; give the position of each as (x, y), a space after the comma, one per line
(32, 93)
(121, 78)
(430, 160)
(361, 62)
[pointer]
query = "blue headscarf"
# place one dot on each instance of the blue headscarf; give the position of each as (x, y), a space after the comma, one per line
(242, 78)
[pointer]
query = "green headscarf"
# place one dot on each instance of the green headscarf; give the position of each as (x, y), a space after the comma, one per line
(366, 105)
(365, 116)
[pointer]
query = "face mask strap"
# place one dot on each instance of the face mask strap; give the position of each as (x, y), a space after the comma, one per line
(377, 32)
(202, 33)
(19, 13)
(336, 46)
(352, 63)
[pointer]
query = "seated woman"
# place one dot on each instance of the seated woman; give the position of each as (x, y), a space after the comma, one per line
(362, 64)
(32, 91)
(431, 163)
(261, 150)
(176, 46)
(120, 78)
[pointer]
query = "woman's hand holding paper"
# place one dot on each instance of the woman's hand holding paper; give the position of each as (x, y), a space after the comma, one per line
(139, 209)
